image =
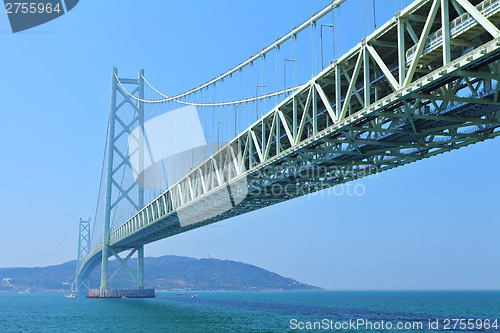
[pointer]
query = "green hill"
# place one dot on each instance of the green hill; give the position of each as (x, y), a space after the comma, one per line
(163, 273)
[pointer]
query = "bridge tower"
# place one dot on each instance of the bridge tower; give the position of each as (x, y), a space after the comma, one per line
(83, 251)
(128, 113)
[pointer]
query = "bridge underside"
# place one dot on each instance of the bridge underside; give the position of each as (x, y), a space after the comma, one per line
(382, 116)
(401, 132)
(379, 141)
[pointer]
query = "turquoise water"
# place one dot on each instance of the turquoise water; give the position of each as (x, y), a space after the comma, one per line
(242, 311)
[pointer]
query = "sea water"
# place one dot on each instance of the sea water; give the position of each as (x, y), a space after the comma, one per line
(319, 311)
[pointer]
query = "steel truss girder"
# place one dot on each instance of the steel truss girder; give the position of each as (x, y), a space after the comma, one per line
(251, 141)
(393, 114)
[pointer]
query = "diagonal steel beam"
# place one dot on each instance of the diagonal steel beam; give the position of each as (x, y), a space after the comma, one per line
(257, 146)
(304, 116)
(272, 132)
(356, 92)
(352, 85)
(378, 60)
(476, 14)
(326, 102)
(421, 42)
(123, 264)
(284, 121)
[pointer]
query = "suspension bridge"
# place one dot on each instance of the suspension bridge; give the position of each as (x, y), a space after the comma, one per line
(293, 119)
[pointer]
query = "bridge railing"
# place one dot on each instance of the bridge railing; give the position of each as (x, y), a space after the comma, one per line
(489, 8)
(361, 87)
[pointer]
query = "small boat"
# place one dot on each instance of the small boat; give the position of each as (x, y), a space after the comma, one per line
(124, 296)
(179, 294)
(70, 296)
(193, 296)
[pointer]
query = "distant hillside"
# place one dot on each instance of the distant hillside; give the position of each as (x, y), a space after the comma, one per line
(163, 273)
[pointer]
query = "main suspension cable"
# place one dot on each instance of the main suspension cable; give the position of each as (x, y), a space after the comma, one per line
(167, 99)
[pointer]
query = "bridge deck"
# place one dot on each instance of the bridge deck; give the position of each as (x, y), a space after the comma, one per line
(382, 116)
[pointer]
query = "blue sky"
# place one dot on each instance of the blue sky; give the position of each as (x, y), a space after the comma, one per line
(428, 225)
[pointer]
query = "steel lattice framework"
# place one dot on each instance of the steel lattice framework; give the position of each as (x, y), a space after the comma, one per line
(83, 251)
(424, 83)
